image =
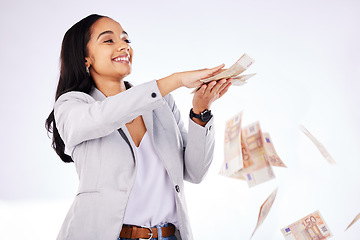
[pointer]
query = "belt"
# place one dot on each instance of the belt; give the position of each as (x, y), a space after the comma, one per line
(134, 232)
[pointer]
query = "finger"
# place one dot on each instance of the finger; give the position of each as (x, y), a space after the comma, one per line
(201, 90)
(218, 85)
(210, 86)
(225, 84)
(225, 90)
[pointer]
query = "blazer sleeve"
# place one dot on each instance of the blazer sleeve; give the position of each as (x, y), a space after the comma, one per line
(80, 118)
(199, 143)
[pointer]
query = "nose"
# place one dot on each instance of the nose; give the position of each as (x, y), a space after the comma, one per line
(124, 47)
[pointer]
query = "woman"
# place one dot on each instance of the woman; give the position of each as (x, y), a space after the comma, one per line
(129, 145)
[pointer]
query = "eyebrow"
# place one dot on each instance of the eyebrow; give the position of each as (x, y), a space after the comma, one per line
(109, 32)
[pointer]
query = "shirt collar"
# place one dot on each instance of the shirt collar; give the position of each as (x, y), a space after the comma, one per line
(97, 94)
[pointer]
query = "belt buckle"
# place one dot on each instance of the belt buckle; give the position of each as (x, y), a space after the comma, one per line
(151, 233)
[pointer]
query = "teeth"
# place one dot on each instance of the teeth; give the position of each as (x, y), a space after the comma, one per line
(127, 58)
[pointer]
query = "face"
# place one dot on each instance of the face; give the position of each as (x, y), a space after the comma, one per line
(109, 52)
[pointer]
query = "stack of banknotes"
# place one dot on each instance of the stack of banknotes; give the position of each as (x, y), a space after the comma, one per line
(233, 72)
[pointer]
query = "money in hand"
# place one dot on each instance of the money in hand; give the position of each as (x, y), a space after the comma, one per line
(321, 147)
(237, 68)
(241, 80)
(311, 227)
(264, 210)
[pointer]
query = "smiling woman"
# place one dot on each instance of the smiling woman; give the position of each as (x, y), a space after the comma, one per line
(109, 55)
(121, 136)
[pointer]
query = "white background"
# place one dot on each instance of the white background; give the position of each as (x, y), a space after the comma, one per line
(307, 63)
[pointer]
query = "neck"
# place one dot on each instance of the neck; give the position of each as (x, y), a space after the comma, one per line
(110, 88)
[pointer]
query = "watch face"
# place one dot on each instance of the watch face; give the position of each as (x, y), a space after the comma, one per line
(206, 116)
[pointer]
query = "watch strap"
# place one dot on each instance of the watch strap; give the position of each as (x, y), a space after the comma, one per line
(204, 116)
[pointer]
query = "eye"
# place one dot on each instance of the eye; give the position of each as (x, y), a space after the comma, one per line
(125, 37)
(109, 41)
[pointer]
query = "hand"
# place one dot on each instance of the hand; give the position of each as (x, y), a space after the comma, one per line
(208, 93)
(191, 79)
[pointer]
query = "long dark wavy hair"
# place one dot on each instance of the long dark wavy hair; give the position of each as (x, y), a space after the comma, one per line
(73, 75)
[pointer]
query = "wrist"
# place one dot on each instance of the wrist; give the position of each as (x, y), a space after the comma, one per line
(177, 79)
(204, 116)
(198, 110)
(169, 84)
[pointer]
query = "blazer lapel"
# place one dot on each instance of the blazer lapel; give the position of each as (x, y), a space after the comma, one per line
(149, 123)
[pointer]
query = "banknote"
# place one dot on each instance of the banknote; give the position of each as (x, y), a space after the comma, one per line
(241, 80)
(237, 68)
(224, 170)
(311, 227)
(257, 168)
(274, 159)
(353, 221)
(244, 77)
(264, 210)
(321, 147)
(232, 148)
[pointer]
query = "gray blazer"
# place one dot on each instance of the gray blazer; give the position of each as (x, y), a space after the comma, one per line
(105, 160)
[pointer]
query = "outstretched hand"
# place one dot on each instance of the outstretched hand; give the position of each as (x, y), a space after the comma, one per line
(191, 79)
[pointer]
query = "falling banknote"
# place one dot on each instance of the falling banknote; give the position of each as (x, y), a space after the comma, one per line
(270, 151)
(237, 68)
(321, 147)
(257, 168)
(265, 209)
(353, 221)
(232, 148)
(311, 227)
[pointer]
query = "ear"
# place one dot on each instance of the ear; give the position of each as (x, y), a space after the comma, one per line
(87, 62)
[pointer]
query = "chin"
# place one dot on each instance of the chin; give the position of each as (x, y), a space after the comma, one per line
(123, 74)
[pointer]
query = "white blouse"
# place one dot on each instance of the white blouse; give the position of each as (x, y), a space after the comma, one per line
(152, 198)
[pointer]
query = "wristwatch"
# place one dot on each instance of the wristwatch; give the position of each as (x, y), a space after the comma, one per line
(204, 116)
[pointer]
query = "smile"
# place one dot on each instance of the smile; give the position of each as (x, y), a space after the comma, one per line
(122, 58)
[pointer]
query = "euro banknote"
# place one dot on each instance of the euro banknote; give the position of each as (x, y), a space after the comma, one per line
(237, 68)
(232, 147)
(241, 80)
(257, 168)
(353, 221)
(318, 144)
(264, 210)
(271, 153)
(311, 227)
